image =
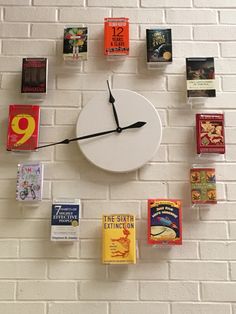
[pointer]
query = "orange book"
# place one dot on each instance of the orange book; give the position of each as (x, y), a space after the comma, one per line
(116, 36)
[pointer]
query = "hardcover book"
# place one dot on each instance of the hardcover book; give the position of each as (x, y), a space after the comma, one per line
(119, 246)
(29, 185)
(203, 185)
(159, 45)
(200, 77)
(164, 221)
(65, 220)
(23, 127)
(116, 36)
(75, 43)
(210, 133)
(34, 75)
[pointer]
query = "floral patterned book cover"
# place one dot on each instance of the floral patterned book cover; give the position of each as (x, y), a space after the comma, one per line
(75, 43)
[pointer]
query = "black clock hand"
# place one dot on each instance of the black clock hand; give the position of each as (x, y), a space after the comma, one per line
(112, 101)
(135, 125)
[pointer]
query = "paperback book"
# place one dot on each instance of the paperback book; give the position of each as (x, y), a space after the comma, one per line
(164, 221)
(159, 45)
(116, 36)
(203, 186)
(200, 77)
(29, 185)
(23, 127)
(210, 133)
(65, 220)
(34, 75)
(75, 46)
(119, 246)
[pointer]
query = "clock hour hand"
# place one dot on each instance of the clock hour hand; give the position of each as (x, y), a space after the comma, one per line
(112, 101)
(135, 125)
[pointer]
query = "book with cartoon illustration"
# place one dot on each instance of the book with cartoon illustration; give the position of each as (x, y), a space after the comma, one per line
(34, 75)
(23, 127)
(118, 238)
(29, 181)
(210, 133)
(75, 46)
(159, 45)
(65, 220)
(200, 74)
(164, 221)
(203, 186)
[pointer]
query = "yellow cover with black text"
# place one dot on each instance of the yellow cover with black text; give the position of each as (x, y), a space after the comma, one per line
(119, 243)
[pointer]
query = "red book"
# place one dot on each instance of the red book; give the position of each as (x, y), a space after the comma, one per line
(210, 133)
(164, 221)
(23, 127)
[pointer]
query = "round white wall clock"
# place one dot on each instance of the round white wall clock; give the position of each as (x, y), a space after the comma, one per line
(131, 126)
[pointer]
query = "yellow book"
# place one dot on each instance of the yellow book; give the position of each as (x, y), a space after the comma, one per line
(119, 244)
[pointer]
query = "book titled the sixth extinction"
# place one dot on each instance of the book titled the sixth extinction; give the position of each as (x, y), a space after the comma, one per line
(119, 245)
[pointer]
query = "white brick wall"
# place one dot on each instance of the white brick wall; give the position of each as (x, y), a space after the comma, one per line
(41, 277)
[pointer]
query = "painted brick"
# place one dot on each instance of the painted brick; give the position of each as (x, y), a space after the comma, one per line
(78, 307)
(139, 307)
(139, 82)
(14, 30)
(191, 16)
(214, 33)
(90, 249)
(28, 47)
(166, 3)
(113, 3)
(228, 49)
(83, 15)
(140, 16)
(7, 290)
(23, 308)
(165, 171)
(63, 3)
(222, 211)
(30, 14)
(200, 308)
(22, 269)
(219, 291)
(14, 2)
(210, 250)
(214, 3)
(169, 291)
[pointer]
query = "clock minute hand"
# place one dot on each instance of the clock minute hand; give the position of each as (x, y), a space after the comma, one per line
(135, 125)
(112, 101)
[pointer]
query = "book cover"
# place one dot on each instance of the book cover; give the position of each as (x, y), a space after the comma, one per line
(23, 127)
(65, 220)
(164, 221)
(200, 77)
(34, 75)
(75, 43)
(203, 186)
(159, 45)
(210, 136)
(119, 246)
(116, 36)
(29, 185)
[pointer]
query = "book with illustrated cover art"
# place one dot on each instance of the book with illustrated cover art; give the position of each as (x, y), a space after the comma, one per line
(23, 127)
(203, 186)
(200, 77)
(116, 36)
(159, 45)
(29, 181)
(164, 221)
(210, 134)
(34, 75)
(65, 220)
(118, 237)
(75, 43)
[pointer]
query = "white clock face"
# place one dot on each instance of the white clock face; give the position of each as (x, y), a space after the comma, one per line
(125, 151)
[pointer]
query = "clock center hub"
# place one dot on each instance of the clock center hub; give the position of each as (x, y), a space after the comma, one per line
(119, 130)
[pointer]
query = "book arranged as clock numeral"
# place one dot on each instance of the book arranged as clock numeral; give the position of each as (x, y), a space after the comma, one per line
(118, 236)
(65, 220)
(23, 127)
(75, 43)
(210, 133)
(203, 185)
(200, 77)
(164, 221)
(34, 75)
(159, 45)
(116, 36)
(29, 185)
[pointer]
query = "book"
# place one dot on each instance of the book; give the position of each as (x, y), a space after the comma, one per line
(75, 46)
(34, 75)
(23, 127)
(116, 36)
(159, 45)
(29, 186)
(200, 77)
(210, 135)
(164, 221)
(119, 246)
(65, 220)
(203, 186)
